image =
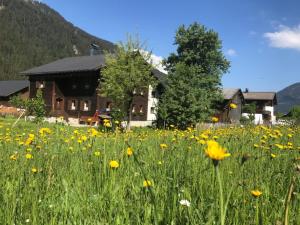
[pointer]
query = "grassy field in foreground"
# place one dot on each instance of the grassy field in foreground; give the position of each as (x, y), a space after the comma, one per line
(54, 174)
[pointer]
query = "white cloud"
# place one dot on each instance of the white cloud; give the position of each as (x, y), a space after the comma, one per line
(231, 52)
(285, 37)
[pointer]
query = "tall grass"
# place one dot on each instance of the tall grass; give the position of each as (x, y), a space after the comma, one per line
(72, 185)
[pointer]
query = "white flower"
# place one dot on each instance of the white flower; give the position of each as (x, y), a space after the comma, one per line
(27, 221)
(185, 202)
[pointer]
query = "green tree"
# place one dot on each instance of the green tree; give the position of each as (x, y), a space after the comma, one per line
(36, 107)
(249, 108)
(125, 71)
(295, 113)
(194, 76)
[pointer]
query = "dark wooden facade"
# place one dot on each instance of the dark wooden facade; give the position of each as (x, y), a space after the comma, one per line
(75, 95)
(226, 113)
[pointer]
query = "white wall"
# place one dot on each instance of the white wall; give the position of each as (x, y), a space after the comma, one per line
(152, 102)
(271, 109)
(259, 117)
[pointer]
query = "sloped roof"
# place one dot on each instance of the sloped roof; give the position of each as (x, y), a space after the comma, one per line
(229, 93)
(259, 95)
(76, 64)
(9, 87)
(68, 65)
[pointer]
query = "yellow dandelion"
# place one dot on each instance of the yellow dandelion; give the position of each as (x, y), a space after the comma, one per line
(256, 193)
(163, 146)
(215, 151)
(28, 156)
(34, 170)
(147, 183)
(233, 106)
(113, 164)
(13, 157)
(97, 153)
(129, 151)
(214, 119)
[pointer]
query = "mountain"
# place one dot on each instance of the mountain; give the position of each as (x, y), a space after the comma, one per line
(288, 97)
(31, 34)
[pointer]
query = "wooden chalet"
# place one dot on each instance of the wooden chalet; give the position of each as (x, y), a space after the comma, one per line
(70, 85)
(265, 103)
(228, 113)
(10, 88)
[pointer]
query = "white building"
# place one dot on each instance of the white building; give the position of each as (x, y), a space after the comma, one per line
(265, 102)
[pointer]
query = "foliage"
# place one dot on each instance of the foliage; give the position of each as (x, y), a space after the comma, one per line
(126, 71)
(195, 70)
(33, 34)
(294, 114)
(250, 108)
(36, 106)
(18, 102)
(63, 175)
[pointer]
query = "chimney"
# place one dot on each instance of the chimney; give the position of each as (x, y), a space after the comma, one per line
(95, 49)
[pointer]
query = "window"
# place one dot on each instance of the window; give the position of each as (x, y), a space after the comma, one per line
(40, 84)
(141, 109)
(152, 110)
(153, 94)
(108, 106)
(59, 104)
(72, 104)
(85, 105)
(133, 109)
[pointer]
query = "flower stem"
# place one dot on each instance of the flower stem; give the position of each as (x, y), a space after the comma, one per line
(222, 215)
(257, 212)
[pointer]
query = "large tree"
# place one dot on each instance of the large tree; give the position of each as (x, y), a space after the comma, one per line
(125, 71)
(193, 85)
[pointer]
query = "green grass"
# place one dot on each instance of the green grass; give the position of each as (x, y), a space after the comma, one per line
(73, 186)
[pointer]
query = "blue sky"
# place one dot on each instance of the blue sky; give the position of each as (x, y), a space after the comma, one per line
(261, 38)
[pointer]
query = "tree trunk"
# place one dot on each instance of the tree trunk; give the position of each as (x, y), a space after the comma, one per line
(129, 114)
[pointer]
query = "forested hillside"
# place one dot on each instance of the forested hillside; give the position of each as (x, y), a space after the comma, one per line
(288, 97)
(31, 34)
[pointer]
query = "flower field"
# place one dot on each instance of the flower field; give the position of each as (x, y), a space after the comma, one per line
(55, 174)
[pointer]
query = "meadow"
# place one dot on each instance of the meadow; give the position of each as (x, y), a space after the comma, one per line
(55, 174)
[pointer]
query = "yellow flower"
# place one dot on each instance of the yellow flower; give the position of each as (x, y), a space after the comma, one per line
(233, 106)
(29, 139)
(113, 164)
(129, 151)
(147, 183)
(214, 119)
(29, 156)
(163, 146)
(202, 142)
(97, 153)
(215, 151)
(273, 155)
(13, 157)
(256, 193)
(34, 170)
